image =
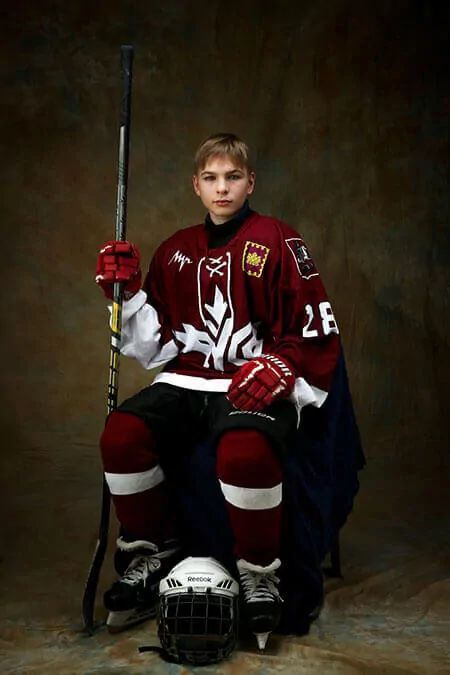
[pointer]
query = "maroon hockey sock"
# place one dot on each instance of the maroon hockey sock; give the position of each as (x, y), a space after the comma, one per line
(138, 487)
(250, 476)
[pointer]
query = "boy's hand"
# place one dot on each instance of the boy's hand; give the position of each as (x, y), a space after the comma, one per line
(119, 261)
(260, 382)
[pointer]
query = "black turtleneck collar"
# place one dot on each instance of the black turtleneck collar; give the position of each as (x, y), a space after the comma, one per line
(220, 235)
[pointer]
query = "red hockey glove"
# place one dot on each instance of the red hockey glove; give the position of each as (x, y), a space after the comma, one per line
(119, 261)
(260, 382)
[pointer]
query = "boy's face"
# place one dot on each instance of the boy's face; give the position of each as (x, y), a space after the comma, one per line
(223, 187)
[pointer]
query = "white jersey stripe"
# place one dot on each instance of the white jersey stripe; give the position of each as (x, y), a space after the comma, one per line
(193, 382)
(252, 499)
(131, 483)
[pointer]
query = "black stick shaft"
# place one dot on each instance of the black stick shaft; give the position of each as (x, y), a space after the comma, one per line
(126, 57)
(126, 63)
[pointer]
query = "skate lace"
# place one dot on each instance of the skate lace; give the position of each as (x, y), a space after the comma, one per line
(258, 586)
(142, 566)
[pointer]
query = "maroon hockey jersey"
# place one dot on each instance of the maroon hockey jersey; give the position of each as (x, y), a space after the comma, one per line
(203, 313)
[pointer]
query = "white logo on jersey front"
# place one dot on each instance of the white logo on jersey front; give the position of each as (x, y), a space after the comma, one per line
(215, 266)
(180, 258)
(219, 340)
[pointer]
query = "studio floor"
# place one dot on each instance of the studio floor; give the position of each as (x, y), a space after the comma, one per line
(389, 614)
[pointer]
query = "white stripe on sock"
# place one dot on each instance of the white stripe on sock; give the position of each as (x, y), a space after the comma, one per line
(131, 483)
(252, 499)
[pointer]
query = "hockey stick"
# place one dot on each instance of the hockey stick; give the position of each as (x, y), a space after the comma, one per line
(90, 591)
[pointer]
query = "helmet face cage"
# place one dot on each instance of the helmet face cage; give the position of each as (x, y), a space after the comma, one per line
(198, 627)
(198, 623)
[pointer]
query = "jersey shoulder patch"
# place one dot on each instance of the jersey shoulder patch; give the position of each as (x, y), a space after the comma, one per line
(305, 264)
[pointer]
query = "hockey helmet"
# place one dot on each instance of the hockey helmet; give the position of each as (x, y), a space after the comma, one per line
(198, 612)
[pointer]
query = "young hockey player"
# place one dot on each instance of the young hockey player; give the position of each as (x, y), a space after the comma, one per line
(235, 311)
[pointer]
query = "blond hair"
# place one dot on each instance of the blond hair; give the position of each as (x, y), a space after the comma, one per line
(222, 144)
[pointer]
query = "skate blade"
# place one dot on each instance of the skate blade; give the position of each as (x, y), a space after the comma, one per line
(249, 644)
(261, 639)
(119, 621)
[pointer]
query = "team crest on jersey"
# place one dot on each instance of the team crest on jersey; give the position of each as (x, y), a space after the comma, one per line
(303, 260)
(254, 258)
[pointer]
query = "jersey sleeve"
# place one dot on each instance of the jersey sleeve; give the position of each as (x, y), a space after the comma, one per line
(304, 329)
(146, 331)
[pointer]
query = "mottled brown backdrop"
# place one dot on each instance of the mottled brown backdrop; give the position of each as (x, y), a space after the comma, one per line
(345, 105)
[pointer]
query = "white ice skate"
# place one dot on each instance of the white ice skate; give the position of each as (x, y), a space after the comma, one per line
(261, 598)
